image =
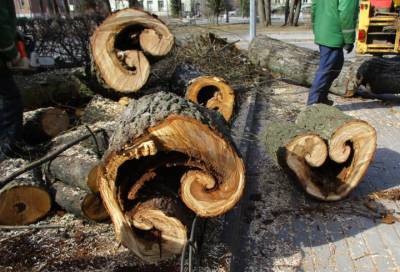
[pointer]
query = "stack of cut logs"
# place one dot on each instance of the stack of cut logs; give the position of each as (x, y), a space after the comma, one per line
(153, 164)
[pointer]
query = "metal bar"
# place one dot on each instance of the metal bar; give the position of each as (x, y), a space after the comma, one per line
(253, 19)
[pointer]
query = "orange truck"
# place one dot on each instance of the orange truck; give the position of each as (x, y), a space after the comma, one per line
(379, 27)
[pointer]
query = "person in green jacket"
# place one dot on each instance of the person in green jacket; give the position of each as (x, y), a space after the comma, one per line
(10, 98)
(334, 25)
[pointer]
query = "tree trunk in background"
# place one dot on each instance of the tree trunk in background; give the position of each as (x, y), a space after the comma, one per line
(42, 10)
(108, 5)
(291, 12)
(287, 11)
(297, 13)
(267, 5)
(50, 7)
(57, 9)
(66, 8)
(134, 4)
(261, 12)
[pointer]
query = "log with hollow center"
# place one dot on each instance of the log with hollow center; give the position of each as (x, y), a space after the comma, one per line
(165, 140)
(117, 45)
(209, 91)
(326, 151)
(25, 200)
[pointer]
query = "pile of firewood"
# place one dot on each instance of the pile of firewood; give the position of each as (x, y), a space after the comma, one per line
(151, 165)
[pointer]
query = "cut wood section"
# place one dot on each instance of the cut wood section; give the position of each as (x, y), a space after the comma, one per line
(380, 75)
(25, 200)
(209, 91)
(299, 65)
(117, 45)
(79, 202)
(43, 124)
(167, 135)
(326, 151)
(101, 109)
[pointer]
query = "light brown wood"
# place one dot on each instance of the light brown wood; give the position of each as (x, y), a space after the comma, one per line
(213, 93)
(123, 67)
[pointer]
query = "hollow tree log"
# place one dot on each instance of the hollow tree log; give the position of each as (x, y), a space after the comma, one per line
(79, 202)
(101, 109)
(326, 151)
(209, 91)
(186, 146)
(117, 45)
(25, 200)
(43, 124)
(299, 64)
(380, 75)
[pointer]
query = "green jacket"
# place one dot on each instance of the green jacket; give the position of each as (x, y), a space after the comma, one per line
(8, 50)
(334, 22)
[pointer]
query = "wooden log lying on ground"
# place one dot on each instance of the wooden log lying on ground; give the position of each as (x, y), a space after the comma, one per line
(59, 87)
(185, 146)
(101, 109)
(380, 75)
(43, 124)
(26, 199)
(119, 45)
(210, 91)
(326, 151)
(300, 64)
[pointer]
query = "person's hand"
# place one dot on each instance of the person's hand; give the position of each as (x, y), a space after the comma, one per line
(348, 47)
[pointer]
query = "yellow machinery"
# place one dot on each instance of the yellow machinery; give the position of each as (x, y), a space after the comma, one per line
(378, 29)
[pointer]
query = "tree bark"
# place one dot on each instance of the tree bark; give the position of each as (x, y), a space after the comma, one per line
(164, 141)
(212, 92)
(261, 12)
(101, 109)
(299, 65)
(267, 4)
(287, 12)
(380, 75)
(26, 199)
(297, 13)
(292, 12)
(123, 67)
(326, 151)
(44, 124)
(66, 8)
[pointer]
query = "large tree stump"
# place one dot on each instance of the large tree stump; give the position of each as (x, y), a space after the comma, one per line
(43, 124)
(299, 64)
(209, 91)
(326, 151)
(25, 200)
(119, 45)
(380, 75)
(167, 141)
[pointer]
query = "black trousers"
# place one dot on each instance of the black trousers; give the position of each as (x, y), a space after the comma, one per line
(11, 110)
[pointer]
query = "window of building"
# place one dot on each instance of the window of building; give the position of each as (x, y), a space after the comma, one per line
(149, 5)
(160, 5)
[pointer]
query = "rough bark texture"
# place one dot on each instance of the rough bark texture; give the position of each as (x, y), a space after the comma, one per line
(25, 200)
(380, 75)
(43, 124)
(101, 109)
(299, 64)
(326, 151)
(210, 91)
(163, 136)
(61, 87)
(79, 202)
(261, 12)
(118, 46)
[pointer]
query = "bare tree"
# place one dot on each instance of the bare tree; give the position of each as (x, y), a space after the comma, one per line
(268, 11)
(287, 11)
(261, 12)
(216, 7)
(297, 14)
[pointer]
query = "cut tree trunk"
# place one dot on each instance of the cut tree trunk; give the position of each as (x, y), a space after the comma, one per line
(299, 64)
(326, 151)
(380, 75)
(118, 46)
(25, 200)
(60, 87)
(79, 202)
(163, 137)
(101, 109)
(212, 92)
(43, 124)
